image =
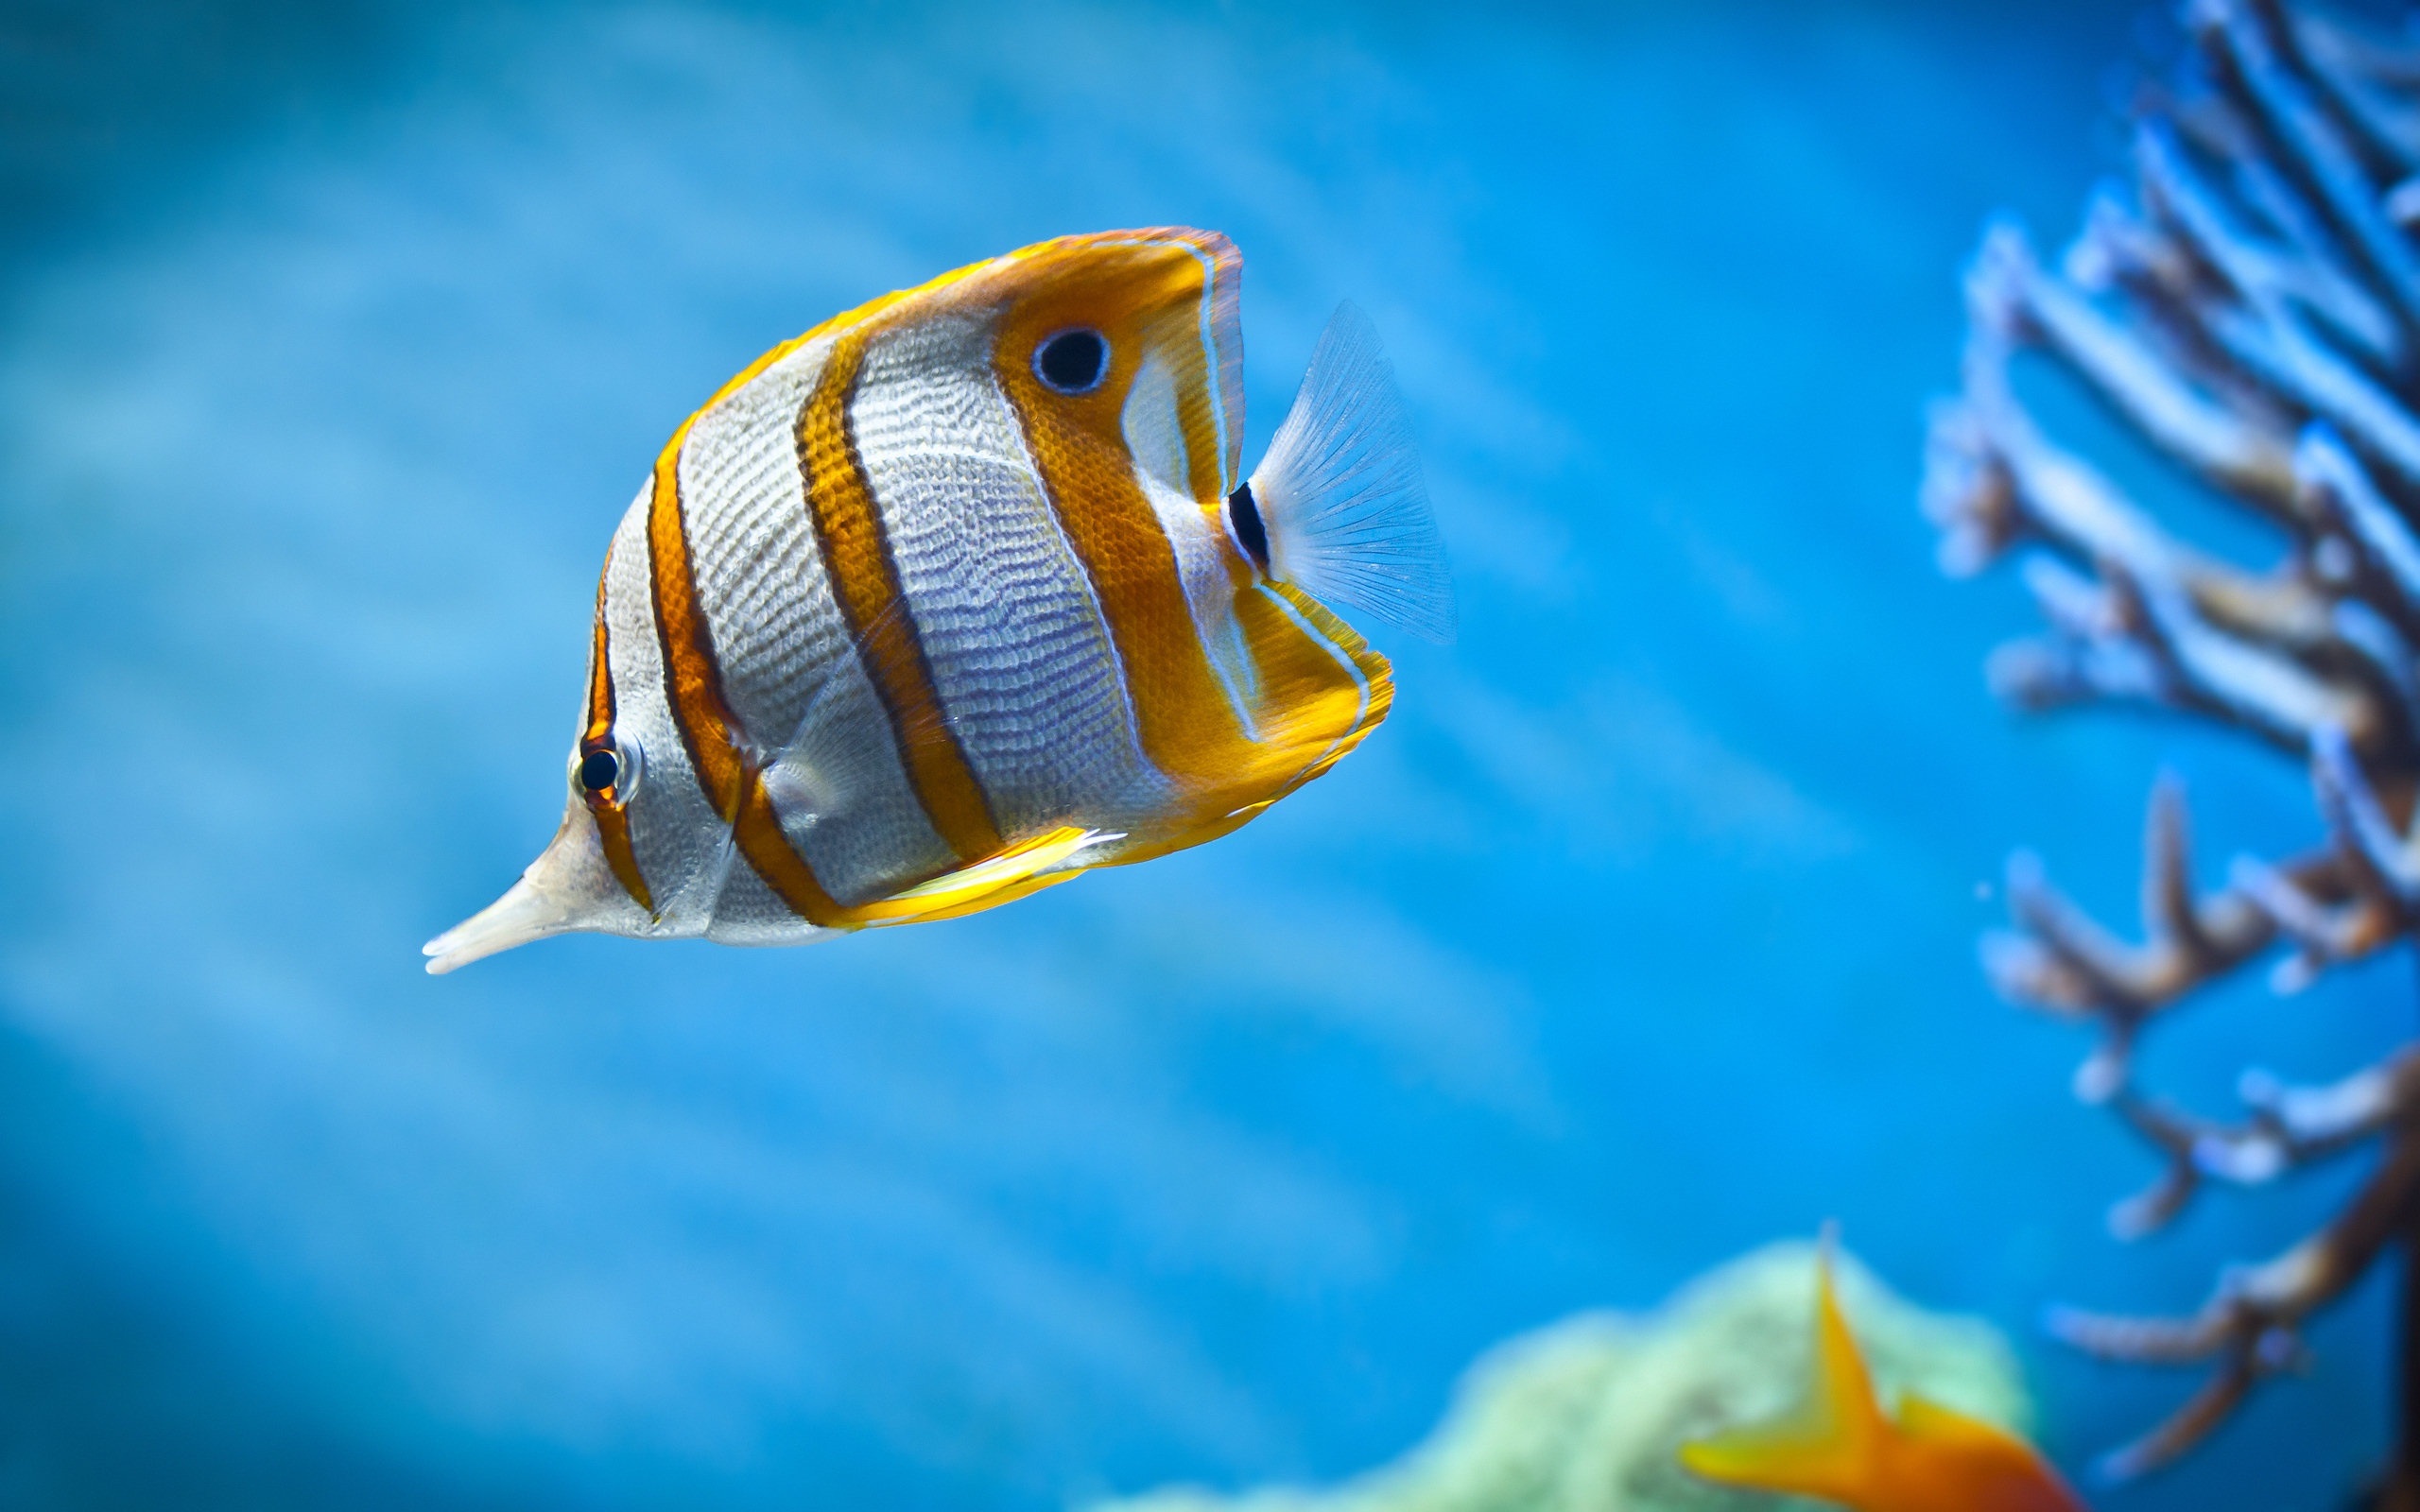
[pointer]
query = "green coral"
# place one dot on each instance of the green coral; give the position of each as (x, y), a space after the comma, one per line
(1585, 1416)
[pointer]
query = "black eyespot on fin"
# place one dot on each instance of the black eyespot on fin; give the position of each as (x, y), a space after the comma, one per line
(1072, 361)
(1245, 512)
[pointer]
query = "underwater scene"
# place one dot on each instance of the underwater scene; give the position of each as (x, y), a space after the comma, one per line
(1741, 675)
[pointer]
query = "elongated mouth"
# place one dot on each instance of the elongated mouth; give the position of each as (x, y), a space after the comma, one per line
(526, 912)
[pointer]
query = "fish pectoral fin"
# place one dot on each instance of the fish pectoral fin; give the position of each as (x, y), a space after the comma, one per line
(1012, 872)
(842, 748)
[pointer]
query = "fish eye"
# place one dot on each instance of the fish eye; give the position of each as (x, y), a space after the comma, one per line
(1072, 361)
(607, 770)
(597, 770)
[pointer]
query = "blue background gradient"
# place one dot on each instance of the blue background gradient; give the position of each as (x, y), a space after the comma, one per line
(332, 342)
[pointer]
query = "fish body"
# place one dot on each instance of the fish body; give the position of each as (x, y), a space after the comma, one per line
(961, 593)
(1840, 1447)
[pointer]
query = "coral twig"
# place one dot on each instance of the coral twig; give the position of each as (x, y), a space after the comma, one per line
(2252, 1325)
(2250, 305)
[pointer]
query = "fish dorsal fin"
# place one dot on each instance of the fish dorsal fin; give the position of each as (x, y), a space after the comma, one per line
(1338, 496)
(1832, 1445)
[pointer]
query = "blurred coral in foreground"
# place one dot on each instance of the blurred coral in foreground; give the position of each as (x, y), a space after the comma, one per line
(1588, 1415)
(2251, 305)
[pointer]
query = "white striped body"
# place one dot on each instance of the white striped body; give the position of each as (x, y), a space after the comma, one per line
(903, 625)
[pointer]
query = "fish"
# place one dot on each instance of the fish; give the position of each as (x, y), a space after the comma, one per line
(962, 593)
(1838, 1445)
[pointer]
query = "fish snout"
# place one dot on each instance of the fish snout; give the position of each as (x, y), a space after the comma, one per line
(569, 887)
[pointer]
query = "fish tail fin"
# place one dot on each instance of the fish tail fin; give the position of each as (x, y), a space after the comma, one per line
(1337, 507)
(1926, 1419)
(1833, 1445)
(2020, 1479)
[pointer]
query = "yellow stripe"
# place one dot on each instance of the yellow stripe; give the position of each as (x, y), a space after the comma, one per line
(998, 879)
(865, 581)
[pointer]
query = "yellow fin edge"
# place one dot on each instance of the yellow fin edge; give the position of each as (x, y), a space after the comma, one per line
(1012, 873)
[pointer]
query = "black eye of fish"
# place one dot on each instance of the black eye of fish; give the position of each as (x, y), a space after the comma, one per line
(599, 770)
(1072, 361)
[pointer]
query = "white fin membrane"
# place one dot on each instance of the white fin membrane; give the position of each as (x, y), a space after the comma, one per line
(1340, 491)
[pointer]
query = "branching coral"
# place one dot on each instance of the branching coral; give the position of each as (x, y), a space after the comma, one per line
(2251, 305)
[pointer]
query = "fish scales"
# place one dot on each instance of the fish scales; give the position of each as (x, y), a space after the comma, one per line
(1021, 659)
(775, 626)
(1199, 549)
(727, 772)
(858, 553)
(676, 837)
(1189, 730)
(850, 813)
(781, 641)
(946, 602)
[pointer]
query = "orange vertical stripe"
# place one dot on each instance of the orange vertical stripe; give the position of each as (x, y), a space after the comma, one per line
(865, 581)
(693, 687)
(1189, 730)
(608, 809)
(693, 683)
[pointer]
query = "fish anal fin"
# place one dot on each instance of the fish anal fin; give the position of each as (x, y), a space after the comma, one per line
(1012, 872)
(971, 902)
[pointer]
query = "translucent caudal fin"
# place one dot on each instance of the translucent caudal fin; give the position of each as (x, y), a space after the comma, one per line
(1831, 1446)
(1339, 497)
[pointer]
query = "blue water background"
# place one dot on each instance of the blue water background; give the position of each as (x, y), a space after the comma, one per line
(332, 343)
